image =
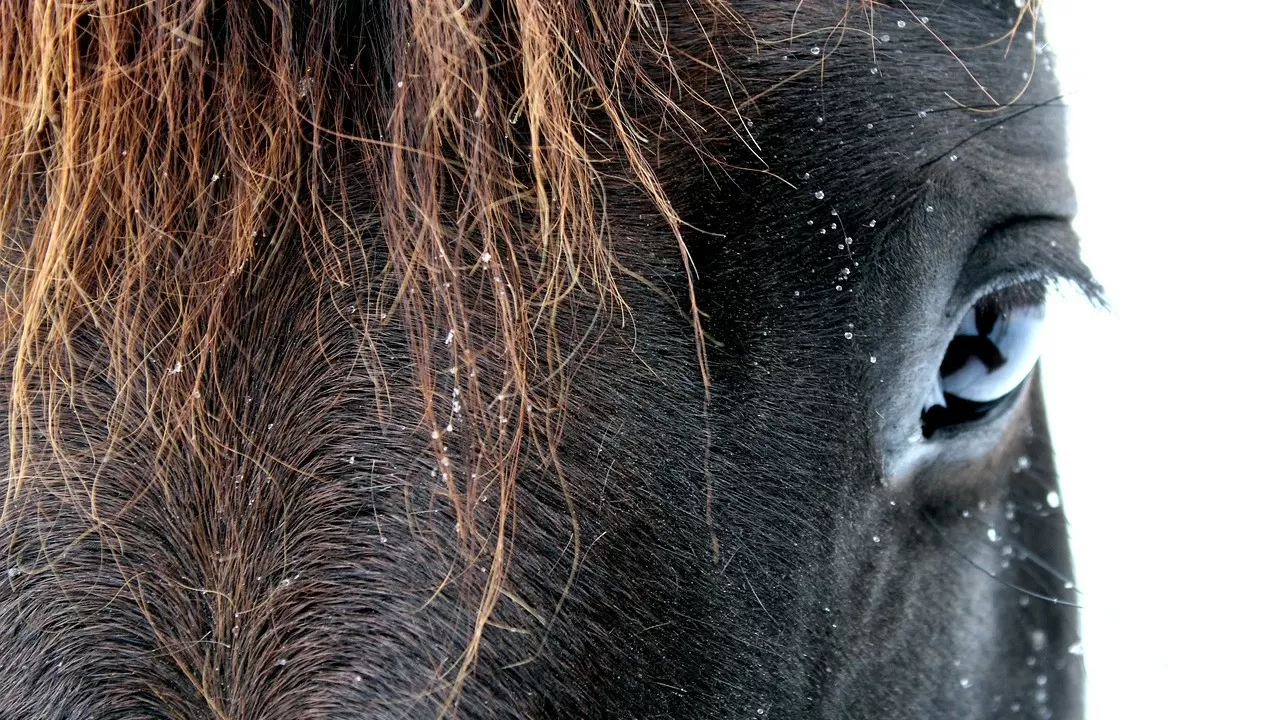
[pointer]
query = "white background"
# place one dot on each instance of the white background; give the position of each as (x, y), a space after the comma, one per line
(1164, 410)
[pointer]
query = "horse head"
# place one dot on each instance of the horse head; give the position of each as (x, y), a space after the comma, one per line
(528, 359)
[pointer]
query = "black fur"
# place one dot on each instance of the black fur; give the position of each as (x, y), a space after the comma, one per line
(784, 550)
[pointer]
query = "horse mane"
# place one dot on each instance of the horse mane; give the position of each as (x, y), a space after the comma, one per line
(157, 158)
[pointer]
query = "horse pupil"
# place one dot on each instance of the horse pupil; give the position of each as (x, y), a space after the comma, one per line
(987, 312)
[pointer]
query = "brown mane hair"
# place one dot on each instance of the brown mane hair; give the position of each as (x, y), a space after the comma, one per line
(154, 156)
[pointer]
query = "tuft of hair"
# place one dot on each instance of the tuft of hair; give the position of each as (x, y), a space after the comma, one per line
(158, 160)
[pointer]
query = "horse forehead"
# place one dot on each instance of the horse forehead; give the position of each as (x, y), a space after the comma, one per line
(962, 106)
(882, 112)
(891, 79)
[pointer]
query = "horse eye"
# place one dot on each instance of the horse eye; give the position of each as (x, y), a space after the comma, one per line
(991, 354)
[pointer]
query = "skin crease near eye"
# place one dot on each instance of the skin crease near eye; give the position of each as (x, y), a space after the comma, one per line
(532, 359)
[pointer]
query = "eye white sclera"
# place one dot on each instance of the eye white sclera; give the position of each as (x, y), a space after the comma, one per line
(1016, 334)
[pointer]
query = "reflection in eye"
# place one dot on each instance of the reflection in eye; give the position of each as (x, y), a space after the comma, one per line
(988, 358)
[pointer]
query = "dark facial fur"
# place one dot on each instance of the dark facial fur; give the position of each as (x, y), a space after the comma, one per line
(785, 549)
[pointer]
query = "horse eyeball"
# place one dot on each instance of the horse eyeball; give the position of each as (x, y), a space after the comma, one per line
(988, 358)
(992, 353)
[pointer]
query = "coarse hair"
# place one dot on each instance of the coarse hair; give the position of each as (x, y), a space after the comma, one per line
(154, 156)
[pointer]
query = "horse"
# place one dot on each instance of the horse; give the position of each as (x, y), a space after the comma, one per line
(532, 359)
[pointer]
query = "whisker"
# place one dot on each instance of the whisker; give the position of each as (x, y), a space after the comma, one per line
(995, 123)
(1012, 586)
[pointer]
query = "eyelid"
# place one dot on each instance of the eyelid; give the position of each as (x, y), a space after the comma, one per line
(1024, 250)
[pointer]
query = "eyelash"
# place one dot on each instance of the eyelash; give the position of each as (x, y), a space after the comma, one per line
(1021, 293)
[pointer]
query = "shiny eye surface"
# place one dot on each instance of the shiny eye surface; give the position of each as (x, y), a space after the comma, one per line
(990, 355)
